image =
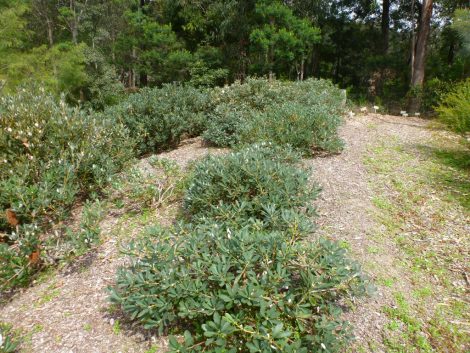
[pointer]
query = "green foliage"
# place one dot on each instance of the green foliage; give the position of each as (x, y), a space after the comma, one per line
(61, 68)
(454, 109)
(304, 127)
(158, 118)
(305, 115)
(225, 123)
(235, 105)
(12, 26)
(282, 40)
(51, 152)
(237, 278)
(216, 42)
(153, 48)
(246, 289)
(89, 228)
(7, 343)
(259, 185)
(103, 87)
(49, 155)
(15, 269)
(148, 186)
(203, 76)
(461, 24)
(432, 93)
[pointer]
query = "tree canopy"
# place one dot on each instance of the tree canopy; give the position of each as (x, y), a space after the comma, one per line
(91, 49)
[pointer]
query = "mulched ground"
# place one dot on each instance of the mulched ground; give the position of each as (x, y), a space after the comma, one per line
(346, 211)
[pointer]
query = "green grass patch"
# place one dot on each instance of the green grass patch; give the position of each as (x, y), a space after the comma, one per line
(422, 199)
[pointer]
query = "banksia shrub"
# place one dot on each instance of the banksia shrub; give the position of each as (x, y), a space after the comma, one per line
(158, 118)
(260, 184)
(305, 115)
(305, 128)
(236, 278)
(50, 154)
(226, 125)
(238, 291)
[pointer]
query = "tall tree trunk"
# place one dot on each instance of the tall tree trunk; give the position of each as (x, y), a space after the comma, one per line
(421, 44)
(315, 61)
(143, 77)
(74, 23)
(132, 73)
(419, 62)
(50, 35)
(385, 25)
(74, 33)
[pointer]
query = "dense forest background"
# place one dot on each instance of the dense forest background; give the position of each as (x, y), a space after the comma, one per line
(394, 53)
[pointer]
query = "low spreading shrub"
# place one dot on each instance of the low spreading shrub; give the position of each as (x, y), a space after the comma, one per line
(305, 128)
(259, 184)
(454, 109)
(50, 154)
(234, 105)
(304, 114)
(16, 254)
(238, 291)
(236, 278)
(89, 228)
(226, 124)
(159, 117)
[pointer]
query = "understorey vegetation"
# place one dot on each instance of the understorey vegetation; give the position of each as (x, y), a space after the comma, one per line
(237, 274)
(236, 271)
(303, 114)
(454, 109)
(259, 185)
(53, 155)
(158, 118)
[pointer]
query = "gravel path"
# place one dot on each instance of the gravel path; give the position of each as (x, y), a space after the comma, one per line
(347, 213)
